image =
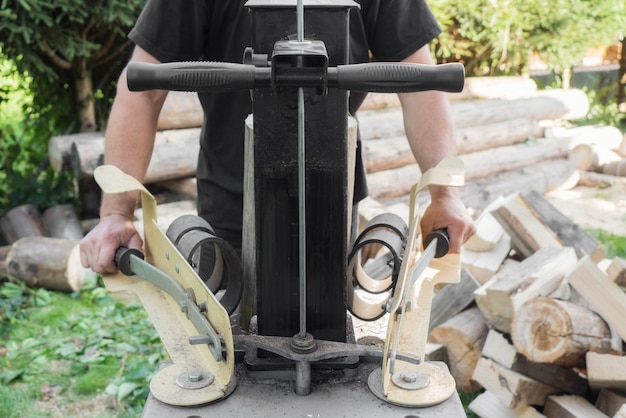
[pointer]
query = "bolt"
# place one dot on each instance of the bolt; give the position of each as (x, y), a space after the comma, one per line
(195, 377)
(408, 376)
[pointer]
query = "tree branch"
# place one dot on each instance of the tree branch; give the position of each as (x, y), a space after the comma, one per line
(56, 59)
(112, 55)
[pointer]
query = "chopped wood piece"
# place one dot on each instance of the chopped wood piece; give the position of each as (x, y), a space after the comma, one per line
(484, 264)
(606, 371)
(528, 233)
(571, 406)
(603, 295)
(487, 405)
(546, 330)
(499, 349)
(566, 230)
(511, 388)
(538, 275)
(463, 335)
(617, 271)
(488, 230)
(610, 401)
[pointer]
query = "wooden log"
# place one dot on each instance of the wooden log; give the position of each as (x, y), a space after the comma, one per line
(599, 180)
(21, 221)
(511, 388)
(60, 148)
(398, 181)
(592, 157)
(43, 262)
(61, 221)
(544, 105)
(184, 186)
(538, 275)
(546, 330)
(528, 233)
(174, 156)
(180, 110)
(606, 371)
(4, 251)
(502, 351)
(499, 87)
(480, 295)
(571, 406)
(568, 232)
(393, 152)
(610, 401)
(487, 405)
(463, 335)
(615, 168)
(603, 295)
(452, 299)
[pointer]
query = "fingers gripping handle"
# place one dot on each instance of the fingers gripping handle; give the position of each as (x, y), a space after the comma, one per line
(123, 257)
(443, 241)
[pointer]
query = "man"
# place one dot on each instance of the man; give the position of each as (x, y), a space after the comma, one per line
(219, 30)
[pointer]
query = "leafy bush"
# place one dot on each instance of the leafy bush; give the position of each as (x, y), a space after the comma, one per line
(494, 37)
(25, 175)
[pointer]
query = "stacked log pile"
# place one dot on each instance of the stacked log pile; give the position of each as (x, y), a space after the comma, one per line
(42, 248)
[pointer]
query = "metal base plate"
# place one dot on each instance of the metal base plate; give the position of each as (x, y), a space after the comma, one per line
(270, 399)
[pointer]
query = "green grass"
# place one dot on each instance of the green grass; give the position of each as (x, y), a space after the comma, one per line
(67, 348)
(614, 245)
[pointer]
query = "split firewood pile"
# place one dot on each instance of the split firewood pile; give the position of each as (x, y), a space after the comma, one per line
(537, 319)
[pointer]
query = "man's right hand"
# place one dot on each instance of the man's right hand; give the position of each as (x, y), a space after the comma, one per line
(97, 248)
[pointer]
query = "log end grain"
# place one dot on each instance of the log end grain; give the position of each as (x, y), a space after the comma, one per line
(546, 330)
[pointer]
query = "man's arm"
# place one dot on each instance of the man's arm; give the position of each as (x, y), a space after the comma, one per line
(430, 130)
(129, 141)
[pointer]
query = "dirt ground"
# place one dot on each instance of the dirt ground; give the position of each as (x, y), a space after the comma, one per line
(597, 208)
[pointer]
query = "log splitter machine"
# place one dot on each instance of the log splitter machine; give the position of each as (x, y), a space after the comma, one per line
(299, 272)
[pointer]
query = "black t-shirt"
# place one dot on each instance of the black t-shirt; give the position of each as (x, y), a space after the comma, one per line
(220, 30)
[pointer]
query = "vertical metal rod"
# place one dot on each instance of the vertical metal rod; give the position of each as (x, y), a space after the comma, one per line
(301, 184)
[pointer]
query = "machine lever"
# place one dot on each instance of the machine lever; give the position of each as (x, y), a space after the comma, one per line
(399, 77)
(381, 77)
(442, 244)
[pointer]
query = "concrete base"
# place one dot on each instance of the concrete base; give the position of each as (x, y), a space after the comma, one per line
(271, 399)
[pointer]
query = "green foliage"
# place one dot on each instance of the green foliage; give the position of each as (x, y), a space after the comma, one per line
(494, 37)
(603, 109)
(614, 245)
(60, 43)
(80, 344)
(25, 175)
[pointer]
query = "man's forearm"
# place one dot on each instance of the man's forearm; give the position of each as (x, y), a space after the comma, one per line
(129, 141)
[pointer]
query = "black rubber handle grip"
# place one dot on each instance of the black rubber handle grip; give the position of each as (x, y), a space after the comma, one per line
(201, 76)
(122, 259)
(400, 77)
(443, 241)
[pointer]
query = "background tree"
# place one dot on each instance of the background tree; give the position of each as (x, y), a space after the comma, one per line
(499, 37)
(69, 46)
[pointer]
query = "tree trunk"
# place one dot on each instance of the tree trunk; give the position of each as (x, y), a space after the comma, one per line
(83, 82)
